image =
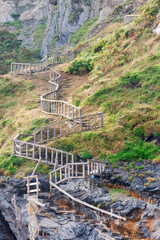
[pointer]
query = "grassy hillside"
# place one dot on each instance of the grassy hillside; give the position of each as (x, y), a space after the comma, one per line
(125, 84)
(19, 113)
(123, 81)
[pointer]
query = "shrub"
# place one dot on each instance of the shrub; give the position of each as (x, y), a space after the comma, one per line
(85, 154)
(98, 47)
(135, 151)
(82, 65)
(10, 164)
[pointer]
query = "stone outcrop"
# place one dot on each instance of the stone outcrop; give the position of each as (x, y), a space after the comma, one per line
(48, 24)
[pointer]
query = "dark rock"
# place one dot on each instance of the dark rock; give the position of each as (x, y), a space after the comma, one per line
(145, 232)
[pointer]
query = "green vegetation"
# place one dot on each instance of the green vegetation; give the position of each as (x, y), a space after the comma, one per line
(39, 33)
(124, 83)
(83, 31)
(74, 15)
(11, 51)
(36, 123)
(82, 65)
(135, 151)
(10, 164)
(118, 192)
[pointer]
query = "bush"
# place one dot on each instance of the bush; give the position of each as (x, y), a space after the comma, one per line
(98, 47)
(135, 151)
(10, 164)
(85, 154)
(82, 65)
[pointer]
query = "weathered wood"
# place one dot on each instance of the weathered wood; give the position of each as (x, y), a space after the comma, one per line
(86, 204)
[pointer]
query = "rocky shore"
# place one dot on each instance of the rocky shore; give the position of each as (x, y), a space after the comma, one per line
(55, 216)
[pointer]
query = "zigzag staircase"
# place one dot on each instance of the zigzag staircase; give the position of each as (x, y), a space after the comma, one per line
(63, 162)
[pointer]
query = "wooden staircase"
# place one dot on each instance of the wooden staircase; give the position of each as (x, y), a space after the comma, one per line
(64, 167)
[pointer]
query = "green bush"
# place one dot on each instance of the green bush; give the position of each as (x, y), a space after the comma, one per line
(98, 47)
(135, 151)
(85, 154)
(82, 65)
(10, 163)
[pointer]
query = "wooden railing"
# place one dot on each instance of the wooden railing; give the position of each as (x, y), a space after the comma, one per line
(68, 171)
(61, 58)
(37, 152)
(33, 187)
(75, 171)
(63, 162)
(67, 127)
(29, 68)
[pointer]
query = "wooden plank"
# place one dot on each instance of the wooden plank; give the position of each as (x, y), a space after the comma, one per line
(34, 190)
(86, 204)
(32, 184)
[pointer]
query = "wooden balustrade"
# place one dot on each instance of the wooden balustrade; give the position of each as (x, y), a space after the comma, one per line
(30, 185)
(67, 127)
(35, 152)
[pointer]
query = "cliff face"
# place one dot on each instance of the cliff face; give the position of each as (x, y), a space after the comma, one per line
(48, 24)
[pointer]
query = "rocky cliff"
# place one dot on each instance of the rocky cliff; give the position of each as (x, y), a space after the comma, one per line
(48, 24)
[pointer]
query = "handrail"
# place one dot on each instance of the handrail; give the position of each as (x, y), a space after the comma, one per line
(49, 155)
(87, 204)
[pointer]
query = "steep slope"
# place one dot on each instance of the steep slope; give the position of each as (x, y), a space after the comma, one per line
(49, 24)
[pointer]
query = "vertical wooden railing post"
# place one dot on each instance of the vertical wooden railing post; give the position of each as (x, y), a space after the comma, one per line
(83, 170)
(28, 186)
(101, 119)
(50, 177)
(68, 172)
(37, 181)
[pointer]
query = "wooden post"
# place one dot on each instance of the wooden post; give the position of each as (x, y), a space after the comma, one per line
(65, 172)
(72, 112)
(101, 119)
(30, 71)
(33, 150)
(66, 158)
(68, 172)
(37, 180)
(47, 133)
(60, 129)
(87, 122)
(61, 158)
(92, 167)
(39, 152)
(50, 176)
(28, 187)
(83, 170)
(88, 168)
